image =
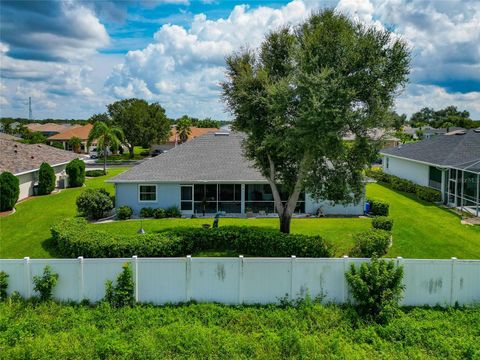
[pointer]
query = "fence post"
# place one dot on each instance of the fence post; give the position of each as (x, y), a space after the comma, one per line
(240, 280)
(80, 279)
(188, 274)
(28, 281)
(453, 293)
(135, 276)
(345, 284)
(292, 267)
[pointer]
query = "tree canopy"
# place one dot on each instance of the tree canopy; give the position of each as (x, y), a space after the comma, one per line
(437, 118)
(305, 88)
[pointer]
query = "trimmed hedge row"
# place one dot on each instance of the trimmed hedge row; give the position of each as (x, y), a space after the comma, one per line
(160, 213)
(94, 173)
(74, 238)
(370, 242)
(378, 207)
(422, 192)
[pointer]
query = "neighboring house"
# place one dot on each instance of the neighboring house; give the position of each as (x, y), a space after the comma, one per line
(387, 137)
(449, 163)
(24, 160)
(209, 171)
(49, 129)
(174, 139)
(4, 136)
(80, 132)
(428, 132)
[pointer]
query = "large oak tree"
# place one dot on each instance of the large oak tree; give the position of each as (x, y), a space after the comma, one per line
(305, 88)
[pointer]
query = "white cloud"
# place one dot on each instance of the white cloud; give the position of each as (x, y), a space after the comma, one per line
(182, 68)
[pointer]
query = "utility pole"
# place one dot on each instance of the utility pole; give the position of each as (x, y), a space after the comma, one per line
(30, 117)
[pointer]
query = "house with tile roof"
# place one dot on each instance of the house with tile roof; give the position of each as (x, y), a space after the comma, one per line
(208, 173)
(49, 129)
(64, 137)
(173, 140)
(24, 160)
(448, 163)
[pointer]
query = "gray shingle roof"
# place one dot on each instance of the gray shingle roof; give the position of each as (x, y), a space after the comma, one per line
(208, 158)
(17, 158)
(458, 151)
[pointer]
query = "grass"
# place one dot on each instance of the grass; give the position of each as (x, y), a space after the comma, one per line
(27, 232)
(54, 331)
(424, 230)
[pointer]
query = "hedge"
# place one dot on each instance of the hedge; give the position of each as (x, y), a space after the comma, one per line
(94, 173)
(46, 179)
(422, 192)
(382, 222)
(73, 238)
(124, 212)
(76, 173)
(9, 191)
(370, 242)
(378, 207)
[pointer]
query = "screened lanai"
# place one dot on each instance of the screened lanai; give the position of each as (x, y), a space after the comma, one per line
(463, 187)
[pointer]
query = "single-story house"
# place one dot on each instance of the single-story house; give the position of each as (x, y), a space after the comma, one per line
(24, 160)
(428, 132)
(49, 129)
(173, 140)
(387, 136)
(208, 172)
(80, 132)
(448, 163)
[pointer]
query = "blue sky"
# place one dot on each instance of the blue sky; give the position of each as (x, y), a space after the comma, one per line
(75, 57)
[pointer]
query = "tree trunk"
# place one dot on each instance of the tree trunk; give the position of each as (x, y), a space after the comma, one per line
(285, 220)
(105, 160)
(131, 150)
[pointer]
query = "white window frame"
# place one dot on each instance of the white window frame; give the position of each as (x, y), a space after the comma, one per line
(147, 201)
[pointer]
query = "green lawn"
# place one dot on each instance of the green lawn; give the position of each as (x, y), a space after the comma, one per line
(421, 230)
(27, 232)
(210, 331)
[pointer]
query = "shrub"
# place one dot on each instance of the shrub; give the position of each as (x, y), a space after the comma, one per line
(122, 293)
(3, 285)
(57, 144)
(94, 203)
(173, 212)
(402, 185)
(371, 242)
(46, 179)
(378, 207)
(94, 173)
(45, 283)
(73, 238)
(382, 222)
(159, 213)
(124, 212)
(76, 173)
(428, 194)
(9, 191)
(377, 288)
(147, 212)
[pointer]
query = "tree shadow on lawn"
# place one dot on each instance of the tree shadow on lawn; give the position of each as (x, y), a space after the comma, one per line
(49, 246)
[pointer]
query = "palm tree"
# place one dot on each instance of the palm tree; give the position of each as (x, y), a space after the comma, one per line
(75, 143)
(105, 136)
(184, 129)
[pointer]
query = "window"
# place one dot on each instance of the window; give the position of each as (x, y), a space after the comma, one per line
(186, 197)
(147, 193)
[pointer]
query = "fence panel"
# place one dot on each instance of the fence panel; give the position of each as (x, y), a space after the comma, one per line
(96, 272)
(466, 284)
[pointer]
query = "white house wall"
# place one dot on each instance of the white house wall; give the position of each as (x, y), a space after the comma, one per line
(27, 181)
(405, 169)
(311, 207)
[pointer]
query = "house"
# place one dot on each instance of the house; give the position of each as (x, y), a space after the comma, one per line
(448, 163)
(174, 139)
(24, 160)
(80, 132)
(211, 173)
(49, 129)
(387, 137)
(428, 132)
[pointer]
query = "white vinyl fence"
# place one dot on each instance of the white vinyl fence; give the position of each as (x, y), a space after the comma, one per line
(244, 280)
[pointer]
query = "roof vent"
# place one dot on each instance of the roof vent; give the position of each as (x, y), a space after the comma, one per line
(222, 133)
(33, 157)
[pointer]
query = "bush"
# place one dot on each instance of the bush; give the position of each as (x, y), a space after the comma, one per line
(378, 207)
(377, 288)
(122, 293)
(94, 203)
(9, 191)
(95, 173)
(73, 238)
(124, 212)
(382, 222)
(159, 213)
(371, 242)
(3, 285)
(402, 185)
(76, 173)
(46, 179)
(173, 212)
(45, 283)
(57, 144)
(147, 212)
(428, 194)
